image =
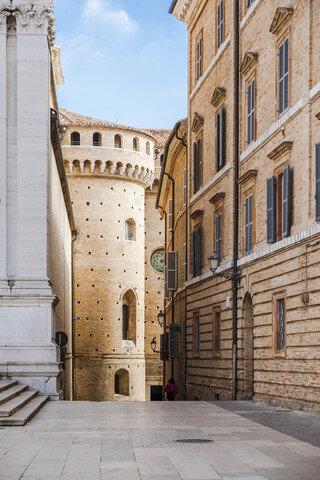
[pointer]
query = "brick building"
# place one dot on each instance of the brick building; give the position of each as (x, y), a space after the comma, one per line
(253, 200)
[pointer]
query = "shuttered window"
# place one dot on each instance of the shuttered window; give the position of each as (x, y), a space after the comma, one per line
(220, 138)
(250, 112)
(166, 291)
(220, 24)
(75, 138)
(174, 346)
(170, 215)
(281, 333)
(125, 321)
(196, 252)
(197, 165)
(164, 346)
(271, 210)
(185, 187)
(286, 202)
(199, 58)
(184, 262)
(318, 181)
(283, 76)
(172, 267)
(218, 236)
(248, 225)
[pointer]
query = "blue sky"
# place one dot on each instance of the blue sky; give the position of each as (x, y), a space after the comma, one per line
(123, 60)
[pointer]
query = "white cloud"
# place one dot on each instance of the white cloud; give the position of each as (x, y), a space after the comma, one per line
(101, 10)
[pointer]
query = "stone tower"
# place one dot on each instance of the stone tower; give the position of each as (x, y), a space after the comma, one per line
(110, 167)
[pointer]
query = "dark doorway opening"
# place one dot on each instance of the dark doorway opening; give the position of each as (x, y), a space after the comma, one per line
(156, 393)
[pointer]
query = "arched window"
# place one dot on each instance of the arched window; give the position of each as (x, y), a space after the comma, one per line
(75, 138)
(136, 144)
(117, 141)
(129, 316)
(131, 230)
(87, 166)
(148, 148)
(121, 382)
(97, 140)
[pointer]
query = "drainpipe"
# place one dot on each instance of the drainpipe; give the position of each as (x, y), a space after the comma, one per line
(164, 301)
(236, 203)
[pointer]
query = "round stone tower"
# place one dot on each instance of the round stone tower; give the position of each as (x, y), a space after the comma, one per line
(109, 168)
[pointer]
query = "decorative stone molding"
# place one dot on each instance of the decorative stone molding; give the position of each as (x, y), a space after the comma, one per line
(249, 59)
(217, 197)
(218, 95)
(197, 122)
(31, 17)
(196, 214)
(247, 176)
(282, 15)
(280, 150)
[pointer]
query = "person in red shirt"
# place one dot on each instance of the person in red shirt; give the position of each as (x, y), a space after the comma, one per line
(171, 390)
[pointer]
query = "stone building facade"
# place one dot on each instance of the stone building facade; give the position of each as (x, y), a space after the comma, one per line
(273, 353)
(36, 219)
(118, 257)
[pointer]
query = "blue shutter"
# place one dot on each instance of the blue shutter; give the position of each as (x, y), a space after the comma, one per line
(271, 210)
(218, 236)
(193, 270)
(246, 225)
(217, 142)
(286, 195)
(318, 181)
(281, 78)
(222, 135)
(250, 113)
(200, 152)
(286, 75)
(198, 243)
(194, 167)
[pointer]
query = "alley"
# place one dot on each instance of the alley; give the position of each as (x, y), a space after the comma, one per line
(131, 441)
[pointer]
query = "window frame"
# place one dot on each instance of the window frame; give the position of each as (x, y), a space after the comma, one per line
(281, 42)
(75, 143)
(117, 136)
(277, 351)
(198, 163)
(97, 143)
(220, 25)
(196, 250)
(251, 113)
(248, 222)
(199, 56)
(220, 121)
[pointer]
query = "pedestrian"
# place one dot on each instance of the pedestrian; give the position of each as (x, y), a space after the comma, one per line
(171, 389)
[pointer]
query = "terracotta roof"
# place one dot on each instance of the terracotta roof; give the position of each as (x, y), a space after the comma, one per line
(68, 118)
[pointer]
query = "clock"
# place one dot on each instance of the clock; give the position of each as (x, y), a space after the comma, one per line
(157, 261)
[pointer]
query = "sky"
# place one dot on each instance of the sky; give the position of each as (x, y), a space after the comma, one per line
(123, 60)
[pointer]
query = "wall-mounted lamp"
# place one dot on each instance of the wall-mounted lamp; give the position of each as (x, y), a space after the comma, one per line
(154, 345)
(213, 265)
(161, 318)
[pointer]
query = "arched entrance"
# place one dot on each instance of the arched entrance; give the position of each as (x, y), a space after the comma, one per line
(248, 348)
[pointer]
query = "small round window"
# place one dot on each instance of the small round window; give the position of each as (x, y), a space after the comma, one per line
(157, 261)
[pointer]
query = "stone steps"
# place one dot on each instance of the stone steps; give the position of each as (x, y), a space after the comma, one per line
(18, 404)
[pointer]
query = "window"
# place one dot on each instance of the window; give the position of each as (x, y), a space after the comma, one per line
(248, 225)
(148, 148)
(129, 316)
(283, 77)
(125, 322)
(216, 332)
(199, 58)
(196, 333)
(318, 181)
(121, 382)
(97, 140)
(197, 165)
(172, 271)
(136, 144)
(220, 138)
(75, 138)
(279, 206)
(196, 251)
(218, 236)
(117, 141)
(249, 3)
(184, 262)
(280, 325)
(251, 112)
(220, 24)
(131, 230)
(170, 215)
(185, 187)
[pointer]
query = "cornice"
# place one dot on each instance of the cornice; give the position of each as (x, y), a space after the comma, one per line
(217, 197)
(281, 16)
(196, 214)
(247, 176)
(280, 150)
(182, 9)
(218, 95)
(249, 59)
(197, 123)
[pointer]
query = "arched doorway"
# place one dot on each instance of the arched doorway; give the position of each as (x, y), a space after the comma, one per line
(121, 382)
(248, 348)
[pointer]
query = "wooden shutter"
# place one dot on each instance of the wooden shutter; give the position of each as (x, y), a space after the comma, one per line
(173, 329)
(184, 262)
(250, 112)
(271, 210)
(172, 267)
(185, 187)
(166, 291)
(200, 163)
(284, 76)
(318, 181)
(222, 136)
(194, 167)
(193, 256)
(248, 225)
(218, 236)
(218, 142)
(286, 195)
(198, 251)
(170, 215)
(164, 344)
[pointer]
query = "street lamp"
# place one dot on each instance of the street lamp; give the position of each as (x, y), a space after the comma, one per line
(213, 265)
(161, 318)
(154, 345)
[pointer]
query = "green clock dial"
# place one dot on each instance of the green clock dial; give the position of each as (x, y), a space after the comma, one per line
(157, 261)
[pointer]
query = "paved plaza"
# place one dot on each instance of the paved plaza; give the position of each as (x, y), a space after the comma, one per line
(131, 441)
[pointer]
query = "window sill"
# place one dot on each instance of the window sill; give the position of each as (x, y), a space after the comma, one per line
(128, 344)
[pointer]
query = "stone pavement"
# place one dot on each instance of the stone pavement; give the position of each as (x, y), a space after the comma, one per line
(131, 441)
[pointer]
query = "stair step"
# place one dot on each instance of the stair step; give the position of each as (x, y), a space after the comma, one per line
(10, 407)
(12, 392)
(22, 416)
(5, 384)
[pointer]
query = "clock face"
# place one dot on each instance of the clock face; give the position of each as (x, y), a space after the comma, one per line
(157, 261)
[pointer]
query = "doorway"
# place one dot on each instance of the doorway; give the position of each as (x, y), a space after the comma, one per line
(156, 393)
